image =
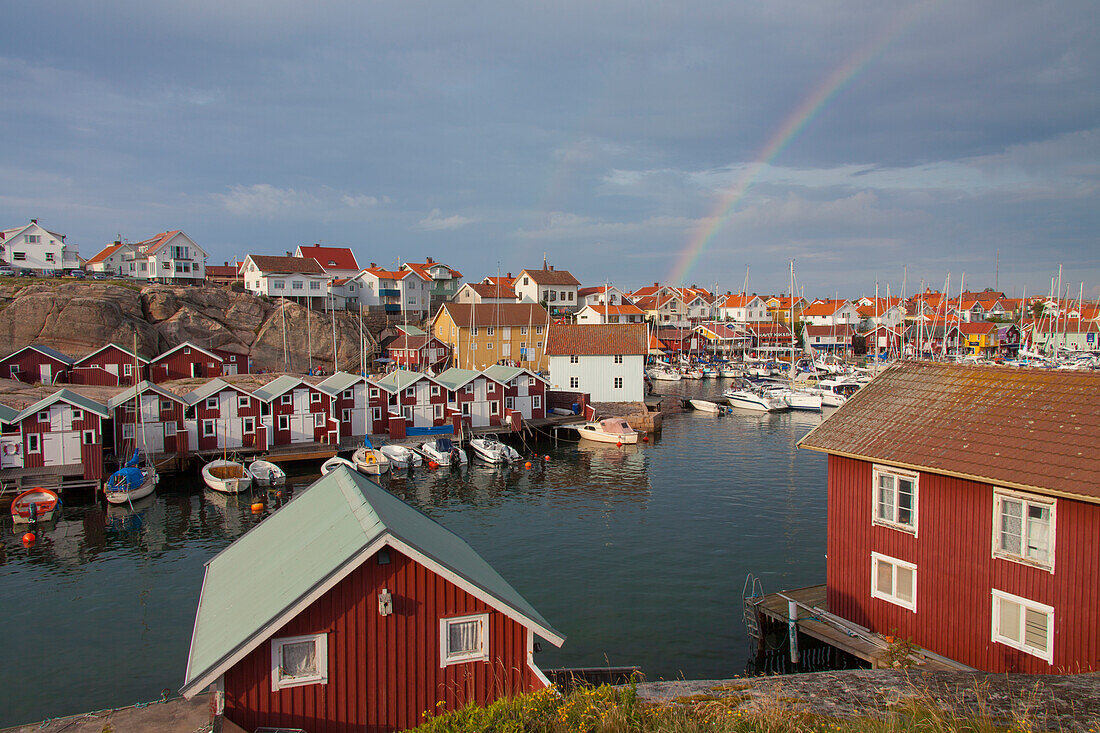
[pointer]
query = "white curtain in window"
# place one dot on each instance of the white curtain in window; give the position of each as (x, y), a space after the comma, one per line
(299, 659)
(1011, 525)
(463, 637)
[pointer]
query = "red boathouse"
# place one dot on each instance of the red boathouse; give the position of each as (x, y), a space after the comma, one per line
(363, 622)
(109, 366)
(971, 494)
(36, 365)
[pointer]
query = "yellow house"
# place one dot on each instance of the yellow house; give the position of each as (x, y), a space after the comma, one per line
(483, 334)
(781, 306)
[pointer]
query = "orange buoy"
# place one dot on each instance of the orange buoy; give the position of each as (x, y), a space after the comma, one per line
(527, 465)
(29, 539)
(433, 465)
(645, 438)
(618, 444)
(547, 459)
(257, 507)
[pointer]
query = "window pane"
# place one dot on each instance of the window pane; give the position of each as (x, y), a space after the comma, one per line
(1035, 629)
(884, 580)
(905, 501)
(1038, 532)
(904, 584)
(299, 659)
(1011, 525)
(1010, 620)
(462, 637)
(886, 498)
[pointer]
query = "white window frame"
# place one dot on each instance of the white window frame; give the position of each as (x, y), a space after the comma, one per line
(481, 654)
(318, 419)
(77, 414)
(494, 407)
(999, 597)
(435, 390)
(574, 383)
(285, 399)
(170, 429)
(618, 358)
(376, 413)
(574, 359)
(34, 442)
(279, 682)
(617, 383)
(44, 416)
(212, 403)
(127, 431)
(410, 391)
(345, 414)
(349, 394)
(88, 437)
(509, 403)
(438, 412)
(896, 474)
(892, 596)
(1027, 500)
(208, 429)
(536, 401)
(127, 370)
(314, 398)
(248, 425)
(242, 402)
(284, 422)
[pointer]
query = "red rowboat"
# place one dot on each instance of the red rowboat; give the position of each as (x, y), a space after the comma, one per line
(34, 504)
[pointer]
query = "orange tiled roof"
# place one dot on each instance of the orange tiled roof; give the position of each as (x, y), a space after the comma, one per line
(104, 253)
(596, 339)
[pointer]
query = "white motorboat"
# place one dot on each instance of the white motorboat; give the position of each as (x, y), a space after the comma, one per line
(800, 399)
(705, 406)
(335, 462)
(401, 457)
(489, 448)
(835, 392)
(370, 461)
(730, 372)
(692, 374)
(750, 399)
(266, 473)
(443, 451)
(709, 372)
(228, 477)
(664, 374)
(609, 430)
(130, 483)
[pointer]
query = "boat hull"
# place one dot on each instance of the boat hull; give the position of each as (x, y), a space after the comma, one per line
(370, 462)
(333, 463)
(600, 436)
(233, 485)
(45, 504)
(266, 473)
(124, 496)
(705, 405)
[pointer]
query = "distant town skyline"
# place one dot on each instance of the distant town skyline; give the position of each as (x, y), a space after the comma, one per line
(632, 144)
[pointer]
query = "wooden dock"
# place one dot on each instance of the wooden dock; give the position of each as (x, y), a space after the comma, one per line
(814, 620)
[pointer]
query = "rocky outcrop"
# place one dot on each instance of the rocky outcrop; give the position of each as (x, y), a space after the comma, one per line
(78, 318)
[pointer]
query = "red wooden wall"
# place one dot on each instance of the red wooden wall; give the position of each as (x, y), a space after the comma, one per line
(29, 362)
(320, 433)
(178, 366)
(202, 412)
(383, 671)
(956, 572)
(91, 455)
(84, 371)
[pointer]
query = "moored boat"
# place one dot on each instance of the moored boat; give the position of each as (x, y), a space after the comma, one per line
(228, 477)
(34, 505)
(705, 406)
(370, 461)
(266, 473)
(400, 457)
(750, 399)
(664, 374)
(443, 451)
(130, 482)
(609, 430)
(333, 463)
(489, 448)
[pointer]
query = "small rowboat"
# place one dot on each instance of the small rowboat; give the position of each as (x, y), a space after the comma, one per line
(370, 461)
(335, 462)
(228, 477)
(34, 505)
(706, 406)
(266, 473)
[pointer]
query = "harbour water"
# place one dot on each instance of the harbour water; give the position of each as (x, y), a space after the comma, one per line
(638, 554)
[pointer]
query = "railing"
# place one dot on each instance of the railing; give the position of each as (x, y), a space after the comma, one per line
(389, 293)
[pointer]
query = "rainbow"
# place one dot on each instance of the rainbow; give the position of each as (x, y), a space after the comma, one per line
(788, 131)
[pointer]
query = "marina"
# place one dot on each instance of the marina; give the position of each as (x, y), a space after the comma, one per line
(572, 534)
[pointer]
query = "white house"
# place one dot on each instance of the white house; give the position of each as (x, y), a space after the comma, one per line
(395, 292)
(744, 309)
(622, 313)
(443, 282)
(666, 308)
(824, 312)
(556, 288)
(168, 257)
(485, 293)
(37, 248)
(606, 361)
(602, 295)
(338, 262)
(114, 259)
(300, 279)
(347, 292)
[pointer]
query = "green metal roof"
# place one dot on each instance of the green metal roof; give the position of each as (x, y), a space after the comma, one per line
(252, 584)
(8, 414)
(399, 379)
(64, 395)
(144, 386)
(454, 377)
(338, 382)
(276, 387)
(208, 389)
(412, 330)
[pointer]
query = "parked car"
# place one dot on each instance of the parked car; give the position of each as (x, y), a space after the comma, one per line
(78, 274)
(25, 272)
(98, 276)
(6, 271)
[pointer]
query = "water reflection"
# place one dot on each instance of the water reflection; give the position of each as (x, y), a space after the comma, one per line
(637, 553)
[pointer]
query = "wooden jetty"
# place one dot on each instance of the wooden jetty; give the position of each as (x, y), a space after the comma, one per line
(808, 609)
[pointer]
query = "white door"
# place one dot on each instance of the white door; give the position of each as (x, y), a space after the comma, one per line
(506, 349)
(523, 407)
(229, 369)
(45, 373)
(61, 449)
(423, 416)
(301, 428)
(359, 421)
(154, 437)
(479, 413)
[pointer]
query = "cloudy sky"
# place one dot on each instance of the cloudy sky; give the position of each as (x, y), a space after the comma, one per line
(629, 142)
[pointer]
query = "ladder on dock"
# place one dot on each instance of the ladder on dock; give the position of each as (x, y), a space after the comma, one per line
(751, 595)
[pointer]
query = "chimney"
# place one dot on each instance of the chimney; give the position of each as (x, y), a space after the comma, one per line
(34, 221)
(289, 254)
(373, 265)
(118, 241)
(508, 275)
(226, 263)
(430, 260)
(551, 268)
(654, 284)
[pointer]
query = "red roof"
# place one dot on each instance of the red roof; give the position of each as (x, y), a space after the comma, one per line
(552, 277)
(153, 243)
(104, 254)
(841, 330)
(276, 264)
(496, 314)
(421, 269)
(823, 307)
(597, 339)
(485, 290)
(389, 274)
(223, 271)
(330, 258)
(738, 300)
(617, 310)
(499, 280)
